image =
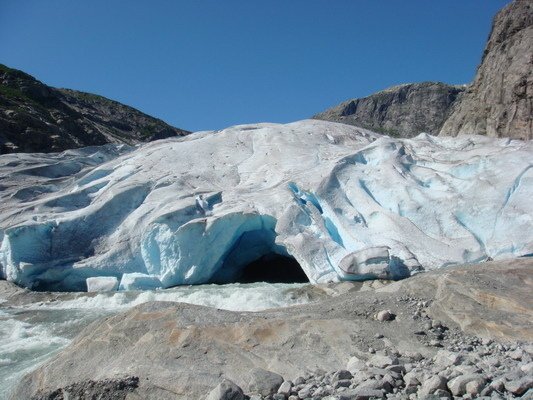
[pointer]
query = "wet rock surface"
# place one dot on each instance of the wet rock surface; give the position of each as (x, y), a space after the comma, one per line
(334, 347)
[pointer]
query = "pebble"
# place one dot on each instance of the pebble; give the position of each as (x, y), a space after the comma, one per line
(285, 388)
(385, 315)
(490, 370)
(226, 390)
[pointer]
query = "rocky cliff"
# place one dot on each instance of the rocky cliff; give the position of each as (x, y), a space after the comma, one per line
(500, 101)
(404, 110)
(35, 117)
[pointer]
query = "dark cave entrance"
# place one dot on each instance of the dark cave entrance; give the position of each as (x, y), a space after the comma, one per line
(273, 268)
(254, 256)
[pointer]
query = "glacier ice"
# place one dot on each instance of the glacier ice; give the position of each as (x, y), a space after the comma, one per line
(102, 284)
(344, 202)
(138, 281)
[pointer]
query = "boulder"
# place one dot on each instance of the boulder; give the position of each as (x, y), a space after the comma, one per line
(382, 361)
(226, 390)
(429, 386)
(264, 382)
(458, 385)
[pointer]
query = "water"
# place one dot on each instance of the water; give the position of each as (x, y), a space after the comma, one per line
(35, 328)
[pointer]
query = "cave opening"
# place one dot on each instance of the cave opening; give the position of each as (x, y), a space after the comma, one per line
(254, 256)
(273, 268)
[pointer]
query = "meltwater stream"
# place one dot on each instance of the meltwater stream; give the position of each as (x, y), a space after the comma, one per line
(35, 326)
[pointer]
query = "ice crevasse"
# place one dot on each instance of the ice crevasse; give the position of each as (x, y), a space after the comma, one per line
(344, 202)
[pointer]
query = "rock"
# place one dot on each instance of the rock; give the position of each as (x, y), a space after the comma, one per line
(429, 386)
(381, 361)
(285, 388)
(445, 358)
(341, 374)
(475, 387)
(457, 386)
(106, 389)
(226, 390)
(516, 354)
(396, 369)
(73, 119)
(412, 379)
(264, 382)
(498, 103)
(304, 393)
(403, 111)
(385, 315)
(442, 394)
(436, 324)
(354, 364)
(498, 385)
(361, 394)
(342, 383)
(299, 381)
(527, 368)
(520, 386)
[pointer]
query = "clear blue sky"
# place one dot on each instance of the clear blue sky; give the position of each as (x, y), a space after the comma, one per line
(210, 64)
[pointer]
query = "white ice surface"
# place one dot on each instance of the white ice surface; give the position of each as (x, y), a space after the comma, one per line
(102, 284)
(198, 209)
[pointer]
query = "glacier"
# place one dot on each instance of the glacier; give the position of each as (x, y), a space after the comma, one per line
(344, 202)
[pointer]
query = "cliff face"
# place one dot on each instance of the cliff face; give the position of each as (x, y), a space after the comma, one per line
(403, 111)
(498, 103)
(500, 100)
(37, 118)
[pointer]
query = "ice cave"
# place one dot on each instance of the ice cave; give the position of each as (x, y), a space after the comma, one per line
(310, 200)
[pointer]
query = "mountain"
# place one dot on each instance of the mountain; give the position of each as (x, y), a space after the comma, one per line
(35, 117)
(341, 202)
(498, 103)
(402, 111)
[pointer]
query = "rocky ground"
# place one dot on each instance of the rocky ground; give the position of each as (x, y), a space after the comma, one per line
(464, 332)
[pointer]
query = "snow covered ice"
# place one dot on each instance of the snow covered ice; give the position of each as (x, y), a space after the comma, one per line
(344, 202)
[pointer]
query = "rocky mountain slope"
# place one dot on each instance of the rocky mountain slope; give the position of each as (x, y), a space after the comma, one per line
(35, 117)
(498, 103)
(344, 202)
(402, 111)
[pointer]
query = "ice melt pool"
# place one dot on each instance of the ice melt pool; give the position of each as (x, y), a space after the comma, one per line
(35, 327)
